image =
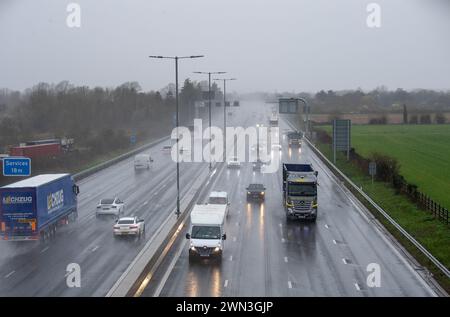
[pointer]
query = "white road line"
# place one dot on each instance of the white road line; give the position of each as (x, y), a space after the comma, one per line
(9, 274)
(237, 223)
(326, 226)
(334, 241)
(357, 286)
(226, 283)
(44, 249)
(231, 258)
(289, 284)
(95, 248)
(145, 203)
(234, 239)
(286, 259)
(280, 225)
(345, 261)
(282, 240)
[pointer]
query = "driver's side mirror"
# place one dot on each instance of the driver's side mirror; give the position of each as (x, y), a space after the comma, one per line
(316, 173)
(188, 236)
(141, 220)
(224, 236)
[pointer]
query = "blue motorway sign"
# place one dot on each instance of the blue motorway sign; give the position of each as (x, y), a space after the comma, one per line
(16, 166)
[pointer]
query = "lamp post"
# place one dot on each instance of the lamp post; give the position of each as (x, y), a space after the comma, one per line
(224, 115)
(209, 106)
(176, 58)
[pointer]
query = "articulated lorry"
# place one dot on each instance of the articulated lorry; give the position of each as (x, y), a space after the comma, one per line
(207, 231)
(33, 208)
(300, 191)
(295, 138)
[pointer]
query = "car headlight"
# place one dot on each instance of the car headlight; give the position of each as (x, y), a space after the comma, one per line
(248, 193)
(216, 249)
(193, 248)
(262, 193)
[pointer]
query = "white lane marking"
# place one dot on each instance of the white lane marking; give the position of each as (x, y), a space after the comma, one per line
(237, 223)
(44, 249)
(326, 226)
(145, 203)
(95, 248)
(286, 259)
(9, 274)
(280, 225)
(282, 240)
(357, 286)
(334, 241)
(289, 284)
(345, 261)
(234, 239)
(231, 258)
(226, 283)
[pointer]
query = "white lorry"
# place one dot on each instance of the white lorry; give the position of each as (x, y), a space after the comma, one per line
(207, 231)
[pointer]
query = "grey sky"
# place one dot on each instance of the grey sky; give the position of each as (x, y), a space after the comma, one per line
(275, 45)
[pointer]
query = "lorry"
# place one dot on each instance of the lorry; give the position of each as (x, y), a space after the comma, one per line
(295, 138)
(300, 191)
(37, 150)
(33, 208)
(207, 231)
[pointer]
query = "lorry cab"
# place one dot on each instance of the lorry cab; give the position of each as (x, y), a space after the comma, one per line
(300, 191)
(207, 231)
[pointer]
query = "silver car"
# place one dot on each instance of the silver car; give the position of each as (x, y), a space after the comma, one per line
(110, 206)
(129, 226)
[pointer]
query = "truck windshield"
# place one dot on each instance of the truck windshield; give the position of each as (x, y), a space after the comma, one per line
(302, 189)
(217, 200)
(205, 232)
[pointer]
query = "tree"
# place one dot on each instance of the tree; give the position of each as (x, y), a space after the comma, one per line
(405, 115)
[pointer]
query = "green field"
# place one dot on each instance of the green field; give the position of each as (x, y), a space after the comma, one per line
(423, 152)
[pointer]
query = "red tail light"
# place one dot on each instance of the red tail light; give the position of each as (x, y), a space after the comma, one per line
(133, 227)
(116, 227)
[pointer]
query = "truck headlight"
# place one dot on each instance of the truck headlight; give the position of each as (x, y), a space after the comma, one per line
(216, 249)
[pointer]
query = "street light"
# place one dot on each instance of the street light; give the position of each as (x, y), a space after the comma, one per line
(224, 115)
(176, 58)
(209, 99)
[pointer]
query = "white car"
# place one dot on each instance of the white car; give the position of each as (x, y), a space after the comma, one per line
(129, 226)
(110, 206)
(167, 148)
(142, 161)
(233, 162)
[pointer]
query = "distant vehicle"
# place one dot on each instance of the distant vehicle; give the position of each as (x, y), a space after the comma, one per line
(142, 161)
(257, 165)
(256, 192)
(37, 150)
(167, 148)
(227, 104)
(33, 208)
(236, 104)
(276, 147)
(273, 121)
(207, 231)
(300, 191)
(233, 162)
(218, 198)
(110, 206)
(126, 226)
(295, 138)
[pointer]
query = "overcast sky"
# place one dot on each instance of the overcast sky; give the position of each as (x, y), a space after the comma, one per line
(276, 45)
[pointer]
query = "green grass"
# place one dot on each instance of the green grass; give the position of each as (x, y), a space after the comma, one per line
(431, 233)
(423, 152)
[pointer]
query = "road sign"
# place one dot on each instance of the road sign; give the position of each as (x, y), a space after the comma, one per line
(372, 168)
(133, 139)
(341, 137)
(288, 105)
(16, 166)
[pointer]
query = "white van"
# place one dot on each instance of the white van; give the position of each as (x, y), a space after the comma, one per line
(219, 198)
(207, 231)
(142, 161)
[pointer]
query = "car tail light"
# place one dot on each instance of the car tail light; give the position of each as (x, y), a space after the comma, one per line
(114, 207)
(116, 227)
(133, 227)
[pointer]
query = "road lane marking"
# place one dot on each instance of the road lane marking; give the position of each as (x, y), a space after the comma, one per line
(237, 223)
(357, 287)
(226, 283)
(346, 261)
(280, 225)
(289, 284)
(286, 259)
(145, 203)
(326, 226)
(9, 274)
(334, 241)
(95, 248)
(282, 240)
(234, 239)
(231, 258)
(44, 249)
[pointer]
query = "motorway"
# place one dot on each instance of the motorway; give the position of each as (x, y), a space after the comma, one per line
(39, 269)
(265, 255)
